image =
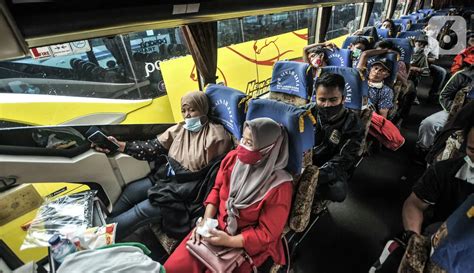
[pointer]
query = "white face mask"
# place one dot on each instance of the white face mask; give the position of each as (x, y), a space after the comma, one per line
(466, 172)
(377, 85)
(469, 161)
(431, 33)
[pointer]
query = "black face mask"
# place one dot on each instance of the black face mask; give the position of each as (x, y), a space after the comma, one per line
(328, 113)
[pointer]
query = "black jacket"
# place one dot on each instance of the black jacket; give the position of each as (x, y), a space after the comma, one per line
(180, 197)
(458, 81)
(337, 144)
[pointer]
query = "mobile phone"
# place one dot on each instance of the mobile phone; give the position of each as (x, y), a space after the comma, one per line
(101, 140)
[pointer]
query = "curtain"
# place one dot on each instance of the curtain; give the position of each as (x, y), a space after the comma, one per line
(201, 40)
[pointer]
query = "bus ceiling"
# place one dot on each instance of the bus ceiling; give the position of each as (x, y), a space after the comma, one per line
(32, 23)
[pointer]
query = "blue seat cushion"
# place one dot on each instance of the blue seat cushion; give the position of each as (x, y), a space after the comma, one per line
(417, 26)
(405, 48)
(292, 78)
(287, 115)
(383, 33)
(338, 57)
(355, 89)
(402, 22)
(226, 107)
(409, 34)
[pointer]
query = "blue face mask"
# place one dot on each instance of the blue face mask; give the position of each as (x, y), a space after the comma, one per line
(193, 124)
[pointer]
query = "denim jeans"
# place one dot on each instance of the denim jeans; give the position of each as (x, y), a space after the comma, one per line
(429, 127)
(438, 74)
(133, 209)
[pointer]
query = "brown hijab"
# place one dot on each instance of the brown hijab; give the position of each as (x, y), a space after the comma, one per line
(250, 183)
(194, 150)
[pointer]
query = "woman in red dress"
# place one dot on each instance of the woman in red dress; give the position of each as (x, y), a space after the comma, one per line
(251, 200)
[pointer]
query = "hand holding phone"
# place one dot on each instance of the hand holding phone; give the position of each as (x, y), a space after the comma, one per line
(103, 142)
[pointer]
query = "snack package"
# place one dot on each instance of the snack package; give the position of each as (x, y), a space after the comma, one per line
(65, 215)
(95, 237)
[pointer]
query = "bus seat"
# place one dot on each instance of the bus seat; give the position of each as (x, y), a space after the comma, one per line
(462, 97)
(419, 15)
(227, 107)
(404, 23)
(413, 18)
(298, 123)
(405, 47)
(426, 12)
(350, 39)
(412, 34)
(394, 69)
(383, 33)
(356, 87)
(292, 82)
(338, 57)
(417, 26)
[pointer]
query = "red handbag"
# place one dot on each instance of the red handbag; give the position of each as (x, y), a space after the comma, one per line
(217, 258)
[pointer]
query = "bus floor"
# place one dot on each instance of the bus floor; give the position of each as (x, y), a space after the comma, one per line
(351, 236)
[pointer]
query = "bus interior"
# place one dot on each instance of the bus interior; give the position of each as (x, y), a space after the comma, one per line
(123, 66)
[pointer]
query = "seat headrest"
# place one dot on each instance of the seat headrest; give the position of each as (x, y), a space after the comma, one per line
(352, 39)
(227, 107)
(426, 11)
(293, 78)
(405, 48)
(411, 17)
(356, 87)
(383, 33)
(393, 58)
(297, 122)
(417, 26)
(338, 57)
(404, 23)
(409, 34)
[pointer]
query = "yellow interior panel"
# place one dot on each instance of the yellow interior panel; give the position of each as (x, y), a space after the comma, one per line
(12, 233)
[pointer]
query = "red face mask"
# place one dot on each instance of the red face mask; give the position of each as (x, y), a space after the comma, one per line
(247, 156)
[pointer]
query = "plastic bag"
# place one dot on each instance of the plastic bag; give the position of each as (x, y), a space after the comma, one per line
(95, 237)
(65, 215)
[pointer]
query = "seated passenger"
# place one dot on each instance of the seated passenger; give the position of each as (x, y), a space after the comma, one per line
(444, 186)
(431, 125)
(380, 95)
(314, 55)
(338, 138)
(190, 145)
(408, 93)
(419, 60)
(438, 73)
(464, 57)
(390, 25)
(251, 200)
(357, 47)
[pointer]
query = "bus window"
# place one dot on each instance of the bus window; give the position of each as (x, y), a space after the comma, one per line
(247, 65)
(345, 19)
(378, 13)
(262, 26)
(399, 8)
(229, 32)
(120, 67)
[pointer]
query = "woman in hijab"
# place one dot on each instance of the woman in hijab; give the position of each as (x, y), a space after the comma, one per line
(251, 200)
(192, 144)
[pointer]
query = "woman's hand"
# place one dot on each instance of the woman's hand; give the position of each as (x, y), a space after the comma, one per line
(195, 237)
(219, 238)
(113, 139)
